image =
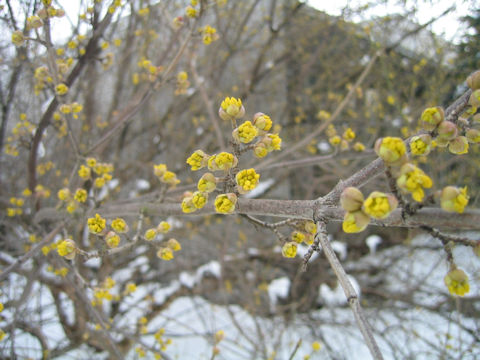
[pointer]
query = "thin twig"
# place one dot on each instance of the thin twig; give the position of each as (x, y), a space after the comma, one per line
(348, 289)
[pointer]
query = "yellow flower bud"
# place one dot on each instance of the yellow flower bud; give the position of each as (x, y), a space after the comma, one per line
(391, 149)
(458, 146)
(421, 144)
(174, 245)
(379, 205)
(262, 121)
(207, 183)
(354, 222)
(231, 108)
(473, 136)
(66, 248)
(413, 180)
(112, 239)
(17, 38)
(289, 250)
(457, 282)
(245, 133)
(431, 117)
(225, 203)
(454, 199)
(198, 160)
(165, 253)
(351, 199)
(247, 180)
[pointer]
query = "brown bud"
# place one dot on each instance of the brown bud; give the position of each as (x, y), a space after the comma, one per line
(473, 81)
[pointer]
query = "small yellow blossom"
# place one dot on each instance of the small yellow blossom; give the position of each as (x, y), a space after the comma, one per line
(66, 248)
(335, 140)
(84, 172)
(18, 38)
(298, 237)
(207, 183)
(163, 227)
(197, 160)
(421, 145)
(316, 346)
(199, 199)
(187, 203)
(112, 239)
(231, 108)
(457, 282)
(150, 234)
(348, 134)
(159, 170)
(225, 203)
(289, 249)
(174, 245)
(169, 177)
(1, 307)
(414, 180)
(2, 334)
(143, 12)
(191, 12)
(260, 150)
(165, 253)
(63, 194)
(431, 117)
(379, 205)
(390, 149)
(247, 180)
(454, 199)
(274, 142)
(80, 195)
(61, 89)
(355, 221)
(358, 146)
(245, 133)
(223, 161)
(119, 225)
(262, 121)
(130, 288)
(96, 224)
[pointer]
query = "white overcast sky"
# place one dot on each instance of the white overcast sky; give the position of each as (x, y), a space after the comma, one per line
(448, 26)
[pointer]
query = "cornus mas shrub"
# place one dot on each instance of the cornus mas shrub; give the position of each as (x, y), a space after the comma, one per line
(125, 191)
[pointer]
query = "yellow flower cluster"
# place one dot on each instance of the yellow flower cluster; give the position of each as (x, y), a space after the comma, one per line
(454, 199)
(413, 180)
(231, 108)
(61, 89)
(17, 204)
(96, 224)
(247, 180)
(207, 183)
(198, 160)
(112, 239)
(289, 249)
(166, 253)
(379, 205)
(20, 133)
(358, 211)
(182, 83)
(421, 145)
(245, 133)
(119, 225)
(225, 203)
(223, 161)
(390, 149)
(165, 176)
(66, 248)
(209, 34)
(457, 282)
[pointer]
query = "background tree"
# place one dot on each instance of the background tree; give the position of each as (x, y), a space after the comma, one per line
(109, 246)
